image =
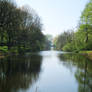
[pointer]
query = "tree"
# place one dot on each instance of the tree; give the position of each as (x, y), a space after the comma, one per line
(20, 28)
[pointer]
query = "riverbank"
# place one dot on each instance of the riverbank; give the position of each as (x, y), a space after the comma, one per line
(4, 51)
(1, 55)
(87, 53)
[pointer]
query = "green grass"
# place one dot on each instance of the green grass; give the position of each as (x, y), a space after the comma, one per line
(4, 49)
(86, 52)
(89, 54)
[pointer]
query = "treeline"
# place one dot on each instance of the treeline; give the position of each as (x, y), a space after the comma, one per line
(20, 28)
(80, 39)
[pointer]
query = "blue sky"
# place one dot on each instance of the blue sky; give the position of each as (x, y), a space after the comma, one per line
(56, 15)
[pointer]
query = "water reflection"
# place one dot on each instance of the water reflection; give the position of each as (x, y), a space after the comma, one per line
(19, 72)
(83, 73)
(47, 71)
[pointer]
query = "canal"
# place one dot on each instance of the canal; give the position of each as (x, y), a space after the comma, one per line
(46, 71)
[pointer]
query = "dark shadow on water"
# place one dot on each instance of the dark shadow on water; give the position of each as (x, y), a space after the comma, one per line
(19, 72)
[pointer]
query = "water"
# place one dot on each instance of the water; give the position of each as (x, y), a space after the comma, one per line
(46, 71)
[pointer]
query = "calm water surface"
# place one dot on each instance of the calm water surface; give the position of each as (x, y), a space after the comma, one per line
(46, 71)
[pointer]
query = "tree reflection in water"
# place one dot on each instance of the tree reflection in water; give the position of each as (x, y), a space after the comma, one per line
(83, 72)
(19, 72)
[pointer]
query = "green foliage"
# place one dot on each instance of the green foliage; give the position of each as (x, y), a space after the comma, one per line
(20, 28)
(4, 48)
(68, 47)
(82, 38)
(63, 39)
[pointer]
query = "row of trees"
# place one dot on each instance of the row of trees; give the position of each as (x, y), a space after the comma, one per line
(80, 39)
(20, 28)
(63, 39)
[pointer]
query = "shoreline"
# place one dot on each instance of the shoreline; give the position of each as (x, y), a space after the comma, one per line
(88, 53)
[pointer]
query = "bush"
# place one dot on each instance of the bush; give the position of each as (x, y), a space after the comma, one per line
(4, 48)
(69, 47)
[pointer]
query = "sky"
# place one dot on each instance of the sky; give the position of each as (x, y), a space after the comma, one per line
(57, 16)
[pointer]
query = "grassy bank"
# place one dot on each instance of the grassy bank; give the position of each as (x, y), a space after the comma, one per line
(87, 53)
(3, 49)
